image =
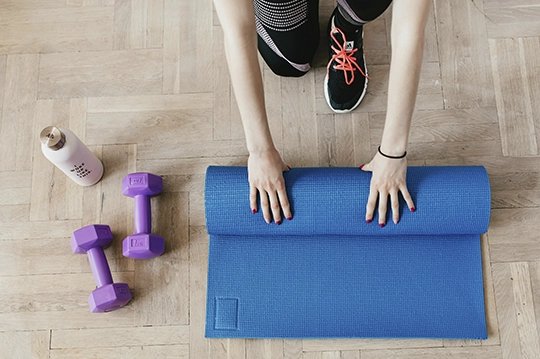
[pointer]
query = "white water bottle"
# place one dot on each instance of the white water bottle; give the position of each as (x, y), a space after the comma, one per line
(68, 153)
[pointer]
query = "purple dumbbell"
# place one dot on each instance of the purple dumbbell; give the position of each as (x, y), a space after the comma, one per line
(92, 240)
(143, 244)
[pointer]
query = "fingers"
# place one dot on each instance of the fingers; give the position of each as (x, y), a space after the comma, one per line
(272, 201)
(275, 207)
(366, 167)
(383, 203)
(394, 201)
(371, 203)
(408, 199)
(265, 206)
(253, 199)
(285, 205)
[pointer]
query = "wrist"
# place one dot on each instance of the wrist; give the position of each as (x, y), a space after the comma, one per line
(259, 150)
(394, 150)
(393, 157)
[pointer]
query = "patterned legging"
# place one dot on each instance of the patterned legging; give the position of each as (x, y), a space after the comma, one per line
(288, 30)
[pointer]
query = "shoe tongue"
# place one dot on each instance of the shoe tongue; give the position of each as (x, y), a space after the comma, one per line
(349, 40)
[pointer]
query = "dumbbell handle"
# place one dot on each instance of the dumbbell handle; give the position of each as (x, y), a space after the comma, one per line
(100, 266)
(143, 214)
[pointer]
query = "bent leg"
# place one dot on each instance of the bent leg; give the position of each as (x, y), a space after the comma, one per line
(359, 12)
(288, 34)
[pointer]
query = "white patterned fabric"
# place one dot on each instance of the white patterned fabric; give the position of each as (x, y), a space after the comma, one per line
(281, 17)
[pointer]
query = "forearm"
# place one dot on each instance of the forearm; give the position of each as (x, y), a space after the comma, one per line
(407, 51)
(248, 88)
(240, 40)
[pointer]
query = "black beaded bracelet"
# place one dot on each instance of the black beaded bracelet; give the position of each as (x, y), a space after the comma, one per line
(392, 157)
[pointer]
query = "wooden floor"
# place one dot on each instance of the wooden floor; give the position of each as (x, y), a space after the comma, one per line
(145, 84)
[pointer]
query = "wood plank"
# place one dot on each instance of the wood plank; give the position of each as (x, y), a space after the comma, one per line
(162, 128)
(106, 73)
(187, 63)
(138, 24)
(292, 349)
(166, 302)
(31, 345)
(512, 19)
(299, 129)
(198, 268)
(15, 213)
(37, 230)
(55, 29)
(490, 352)
(350, 354)
(189, 149)
(93, 196)
(143, 352)
(226, 348)
(222, 91)
(150, 103)
(36, 302)
(44, 256)
(464, 54)
(18, 111)
(512, 235)
(119, 337)
(195, 166)
(117, 209)
(54, 195)
(32, 4)
(517, 319)
(515, 112)
(331, 355)
(363, 344)
(264, 348)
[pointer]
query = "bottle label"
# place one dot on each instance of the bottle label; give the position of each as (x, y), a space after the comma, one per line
(80, 170)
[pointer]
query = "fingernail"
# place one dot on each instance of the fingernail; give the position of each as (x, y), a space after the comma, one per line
(396, 221)
(253, 211)
(413, 209)
(278, 223)
(361, 166)
(289, 218)
(368, 220)
(381, 224)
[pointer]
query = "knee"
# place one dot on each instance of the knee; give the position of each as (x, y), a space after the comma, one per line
(283, 68)
(278, 65)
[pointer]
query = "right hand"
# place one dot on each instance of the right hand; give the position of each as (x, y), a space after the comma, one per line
(265, 174)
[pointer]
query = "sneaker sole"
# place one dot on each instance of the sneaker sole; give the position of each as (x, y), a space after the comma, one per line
(327, 96)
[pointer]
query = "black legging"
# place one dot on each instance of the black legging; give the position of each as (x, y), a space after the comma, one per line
(288, 30)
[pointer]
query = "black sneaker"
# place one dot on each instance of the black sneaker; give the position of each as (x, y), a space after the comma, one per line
(346, 78)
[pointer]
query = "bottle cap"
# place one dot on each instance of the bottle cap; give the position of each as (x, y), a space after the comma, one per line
(53, 138)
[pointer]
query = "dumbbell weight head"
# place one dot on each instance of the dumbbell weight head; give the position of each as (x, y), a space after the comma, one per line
(142, 183)
(143, 244)
(91, 240)
(96, 235)
(109, 297)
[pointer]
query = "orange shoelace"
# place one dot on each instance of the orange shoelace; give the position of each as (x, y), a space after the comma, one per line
(345, 59)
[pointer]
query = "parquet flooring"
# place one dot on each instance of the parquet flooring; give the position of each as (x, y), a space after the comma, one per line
(145, 84)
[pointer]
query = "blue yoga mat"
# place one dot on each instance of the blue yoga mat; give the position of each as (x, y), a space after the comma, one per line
(329, 274)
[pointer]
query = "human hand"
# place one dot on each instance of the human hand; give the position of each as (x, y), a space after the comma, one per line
(388, 179)
(265, 174)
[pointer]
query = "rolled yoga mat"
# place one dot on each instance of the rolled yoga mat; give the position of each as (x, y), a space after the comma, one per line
(329, 274)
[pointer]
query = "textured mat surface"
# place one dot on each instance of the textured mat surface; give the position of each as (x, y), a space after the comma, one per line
(327, 273)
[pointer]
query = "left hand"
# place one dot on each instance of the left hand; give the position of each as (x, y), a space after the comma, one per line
(388, 180)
